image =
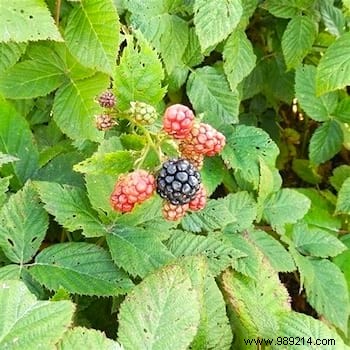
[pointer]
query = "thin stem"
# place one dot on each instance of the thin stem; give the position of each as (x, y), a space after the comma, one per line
(58, 11)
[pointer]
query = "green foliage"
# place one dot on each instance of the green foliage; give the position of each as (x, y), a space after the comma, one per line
(297, 39)
(98, 22)
(267, 257)
(28, 323)
(27, 20)
(158, 307)
(80, 337)
(71, 208)
(80, 268)
(226, 14)
(210, 94)
(23, 225)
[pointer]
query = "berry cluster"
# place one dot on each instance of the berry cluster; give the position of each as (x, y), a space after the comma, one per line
(178, 181)
(182, 188)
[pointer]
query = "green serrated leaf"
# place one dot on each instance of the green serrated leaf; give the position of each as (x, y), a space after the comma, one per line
(209, 93)
(16, 139)
(214, 20)
(335, 60)
(80, 337)
(326, 290)
(160, 299)
(158, 22)
(28, 323)
(285, 207)
(29, 79)
(4, 184)
(10, 53)
(26, 20)
(319, 108)
(148, 215)
(92, 34)
(246, 146)
(192, 55)
(138, 251)
(139, 75)
(239, 58)
(256, 303)
(332, 17)
(276, 254)
(220, 255)
(236, 211)
(326, 142)
(321, 213)
(60, 170)
(295, 325)
(113, 163)
(78, 97)
(80, 268)
(249, 7)
(23, 224)
(340, 174)
(314, 241)
(297, 40)
(71, 208)
(214, 329)
(343, 201)
(248, 265)
(266, 186)
(212, 173)
(306, 171)
(342, 112)
(10, 272)
(287, 8)
(99, 189)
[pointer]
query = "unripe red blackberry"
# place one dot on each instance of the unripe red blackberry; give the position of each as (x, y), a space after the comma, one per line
(178, 120)
(143, 113)
(200, 200)
(104, 122)
(107, 99)
(132, 189)
(173, 212)
(195, 158)
(178, 181)
(204, 139)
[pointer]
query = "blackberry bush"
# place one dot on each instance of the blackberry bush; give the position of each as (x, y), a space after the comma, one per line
(118, 231)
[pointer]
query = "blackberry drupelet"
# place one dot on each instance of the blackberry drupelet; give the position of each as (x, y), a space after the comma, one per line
(178, 181)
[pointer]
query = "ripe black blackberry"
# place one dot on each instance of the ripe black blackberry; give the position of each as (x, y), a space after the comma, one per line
(178, 181)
